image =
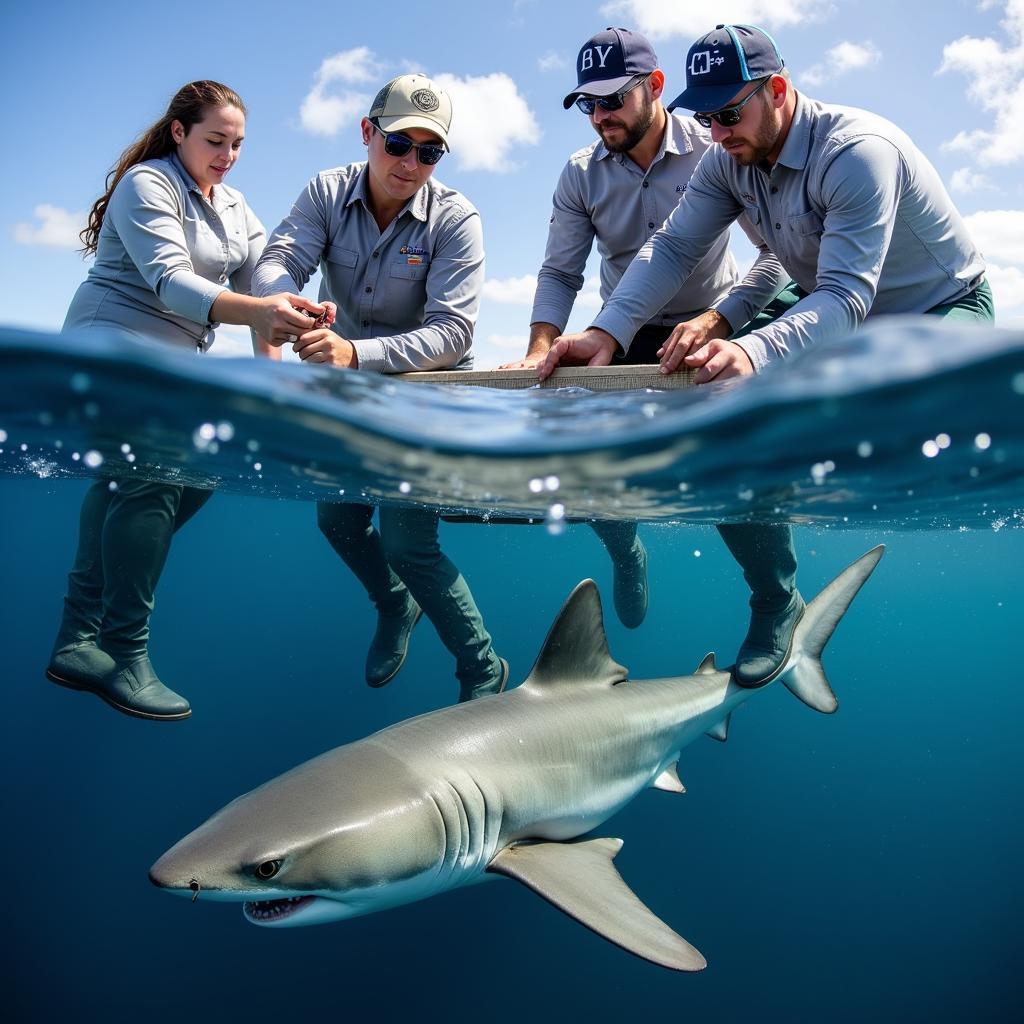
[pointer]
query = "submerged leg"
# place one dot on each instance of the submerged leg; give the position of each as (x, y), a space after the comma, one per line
(766, 555)
(410, 541)
(350, 531)
(76, 656)
(629, 568)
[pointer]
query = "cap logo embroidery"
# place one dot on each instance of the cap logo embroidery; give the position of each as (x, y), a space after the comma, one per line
(425, 100)
(587, 56)
(701, 62)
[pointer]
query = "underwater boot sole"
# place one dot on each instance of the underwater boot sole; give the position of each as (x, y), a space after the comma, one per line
(82, 687)
(757, 684)
(405, 654)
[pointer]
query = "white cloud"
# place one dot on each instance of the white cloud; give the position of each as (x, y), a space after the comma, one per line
(999, 234)
(56, 227)
(995, 81)
(844, 57)
(666, 18)
(552, 61)
(325, 111)
(514, 290)
(966, 180)
(489, 120)
(1007, 285)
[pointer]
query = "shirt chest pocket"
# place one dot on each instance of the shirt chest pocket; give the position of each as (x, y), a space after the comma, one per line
(806, 224)
(344, 259)
(405, 293)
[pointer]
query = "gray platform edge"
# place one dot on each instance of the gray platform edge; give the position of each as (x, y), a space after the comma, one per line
(593, 378)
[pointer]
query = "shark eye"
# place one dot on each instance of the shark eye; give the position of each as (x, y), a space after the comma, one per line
(265, 871)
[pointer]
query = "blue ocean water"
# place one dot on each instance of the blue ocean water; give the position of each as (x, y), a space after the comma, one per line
(858, 866)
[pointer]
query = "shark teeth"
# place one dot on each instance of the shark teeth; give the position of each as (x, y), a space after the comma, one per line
(266, 911)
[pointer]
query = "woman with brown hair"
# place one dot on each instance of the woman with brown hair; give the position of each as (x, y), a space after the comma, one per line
(175, 249)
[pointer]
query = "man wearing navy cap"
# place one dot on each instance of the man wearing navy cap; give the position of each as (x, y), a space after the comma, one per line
(619, 190)
(852, 209)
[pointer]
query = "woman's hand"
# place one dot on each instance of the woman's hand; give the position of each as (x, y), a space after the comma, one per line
(284, 317)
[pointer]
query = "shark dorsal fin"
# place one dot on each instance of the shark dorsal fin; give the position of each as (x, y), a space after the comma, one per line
(707, 667)
(575, 651)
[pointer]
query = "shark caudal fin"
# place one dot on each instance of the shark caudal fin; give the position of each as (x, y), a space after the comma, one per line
(805, 677)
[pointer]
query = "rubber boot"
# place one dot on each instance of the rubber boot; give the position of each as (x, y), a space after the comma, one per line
(409, 537)
(349, 530)
(629, 569)
(766, 555)
(141, 519)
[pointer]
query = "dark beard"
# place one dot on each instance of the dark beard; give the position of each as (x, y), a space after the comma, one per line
(635, 134)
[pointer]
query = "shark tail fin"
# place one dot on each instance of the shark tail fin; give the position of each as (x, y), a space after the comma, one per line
(806, 679)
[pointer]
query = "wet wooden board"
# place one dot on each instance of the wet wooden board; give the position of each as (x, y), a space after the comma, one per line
(593, 378)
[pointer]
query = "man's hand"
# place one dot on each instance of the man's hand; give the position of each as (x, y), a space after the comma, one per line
(283, 317)
(324, 346)
(542, 335)
(719, 360)
(691, 336)
(593, 347)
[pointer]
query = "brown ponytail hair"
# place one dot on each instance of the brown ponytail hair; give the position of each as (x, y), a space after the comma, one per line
(188, 106)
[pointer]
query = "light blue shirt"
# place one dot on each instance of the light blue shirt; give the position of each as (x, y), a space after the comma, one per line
(407, 296)
(165, 253)
(854, 211)
(606, 196)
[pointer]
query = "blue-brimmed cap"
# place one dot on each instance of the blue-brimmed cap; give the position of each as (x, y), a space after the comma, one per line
(720, 63)
(609, 61)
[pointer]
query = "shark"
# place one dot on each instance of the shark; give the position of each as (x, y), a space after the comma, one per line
(511, 785)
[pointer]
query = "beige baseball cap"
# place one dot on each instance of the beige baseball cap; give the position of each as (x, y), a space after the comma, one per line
(413, 101)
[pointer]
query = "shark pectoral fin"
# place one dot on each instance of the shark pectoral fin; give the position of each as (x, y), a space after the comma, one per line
(669, 781)
(575, 651)
(721, 730)
(580, 879)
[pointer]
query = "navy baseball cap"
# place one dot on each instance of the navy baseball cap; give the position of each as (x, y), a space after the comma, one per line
(720, 63)
(609, 61)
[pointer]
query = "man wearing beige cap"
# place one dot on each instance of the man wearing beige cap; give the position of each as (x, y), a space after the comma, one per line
(402, 261)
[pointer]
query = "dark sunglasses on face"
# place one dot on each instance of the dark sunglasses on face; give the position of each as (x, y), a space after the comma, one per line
(729, 117)
(395, 144)
(614, 102)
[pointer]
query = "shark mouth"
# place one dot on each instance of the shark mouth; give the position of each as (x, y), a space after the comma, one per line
(274, 911)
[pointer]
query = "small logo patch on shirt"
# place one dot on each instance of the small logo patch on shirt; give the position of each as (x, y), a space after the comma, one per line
(681, 189)
(412, 250)
(414, 261)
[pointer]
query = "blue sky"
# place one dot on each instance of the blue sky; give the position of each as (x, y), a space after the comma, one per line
(80, 80)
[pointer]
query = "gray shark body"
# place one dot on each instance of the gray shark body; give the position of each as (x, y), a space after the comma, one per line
(506, 785)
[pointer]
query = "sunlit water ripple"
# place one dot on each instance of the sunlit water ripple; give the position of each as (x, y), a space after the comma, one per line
(903, 424)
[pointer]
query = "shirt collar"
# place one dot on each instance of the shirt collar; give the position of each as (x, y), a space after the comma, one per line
(797, 146)
(417, 205)
(220, 197)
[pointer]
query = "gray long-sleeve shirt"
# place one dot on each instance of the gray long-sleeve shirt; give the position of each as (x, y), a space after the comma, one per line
(165, 253)
(605, 196)
(855, 212)
(407, 296)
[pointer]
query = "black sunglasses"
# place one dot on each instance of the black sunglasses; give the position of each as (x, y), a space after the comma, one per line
(728, 117)
(395, 144)
(614, 102)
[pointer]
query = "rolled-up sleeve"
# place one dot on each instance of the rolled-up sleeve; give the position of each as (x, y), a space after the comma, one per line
(860, 189)
(658, 270)
(570, 239)
(453, 283)
(146, 212)
(296, 246)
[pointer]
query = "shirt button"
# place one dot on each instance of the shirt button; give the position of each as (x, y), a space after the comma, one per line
(775, 188)
(650, 223)
(366, 323)
(778, 226)
(223, 278)
(375, 255)
(368, 289)
(646, 183)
